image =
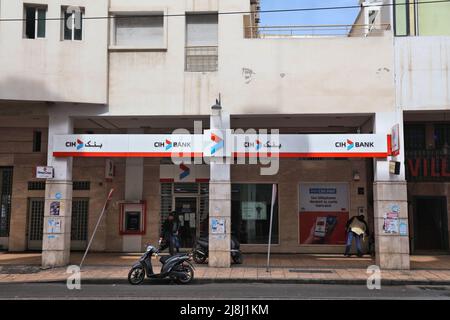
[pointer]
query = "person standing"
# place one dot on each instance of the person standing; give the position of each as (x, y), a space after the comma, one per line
(356, 228)
(170, 230)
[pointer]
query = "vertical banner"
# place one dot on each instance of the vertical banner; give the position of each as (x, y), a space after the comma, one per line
(323, 213)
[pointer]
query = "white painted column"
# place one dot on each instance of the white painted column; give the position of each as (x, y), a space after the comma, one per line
(390, 194)
(220, 200)
(58, 193)
(134, 185)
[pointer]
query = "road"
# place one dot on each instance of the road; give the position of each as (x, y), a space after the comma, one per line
(219, 291)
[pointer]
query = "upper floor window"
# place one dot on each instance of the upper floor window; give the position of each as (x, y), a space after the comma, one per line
(421, 18)
(144, 30)
(442, 136)
(415, 137)
(35, 21)
(72, 23)
(202, 42)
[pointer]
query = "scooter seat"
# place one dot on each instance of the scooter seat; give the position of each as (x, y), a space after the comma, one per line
(163, 259)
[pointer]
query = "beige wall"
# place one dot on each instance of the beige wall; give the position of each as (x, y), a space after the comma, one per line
(49, 69)
(16, 151)
(289, 76)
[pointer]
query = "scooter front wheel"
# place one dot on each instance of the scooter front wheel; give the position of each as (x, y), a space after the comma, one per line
(136, 275)
(189, 274)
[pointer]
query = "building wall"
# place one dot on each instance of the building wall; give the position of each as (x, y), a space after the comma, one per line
(422, 73)
(49, 69)
(255, 75)
(16, 151)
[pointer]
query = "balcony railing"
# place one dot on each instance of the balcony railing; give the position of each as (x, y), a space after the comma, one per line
(427, 165)
(314, 31)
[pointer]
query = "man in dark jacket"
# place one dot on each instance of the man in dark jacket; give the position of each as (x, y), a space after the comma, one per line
(356, 228)
(170, 229)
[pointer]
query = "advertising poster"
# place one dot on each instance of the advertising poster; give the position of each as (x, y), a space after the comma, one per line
(218, 226)
(323, 213)
(54, 225)
(55, 208)
(391, 221)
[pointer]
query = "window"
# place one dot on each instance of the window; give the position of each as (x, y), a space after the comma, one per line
(37, 141)
(250, 217)
(202, 42)
(417, 17)
(72, 23)
(414, 137)
(401, 17)
(442, 136)
(146, 31)
(5, 199)
(35, 21)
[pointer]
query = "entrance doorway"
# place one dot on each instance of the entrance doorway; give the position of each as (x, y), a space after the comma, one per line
(35, 223)
(191, 202)
(186, 208)
(430, 224)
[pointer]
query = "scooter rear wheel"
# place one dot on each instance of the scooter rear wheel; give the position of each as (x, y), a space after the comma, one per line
(237, 258)
(199, 258)
(136, 275)
(187, 269)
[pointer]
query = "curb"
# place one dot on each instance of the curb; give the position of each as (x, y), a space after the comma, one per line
(103, 281)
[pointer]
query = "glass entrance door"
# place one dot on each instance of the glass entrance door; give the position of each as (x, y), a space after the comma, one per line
(186, 208)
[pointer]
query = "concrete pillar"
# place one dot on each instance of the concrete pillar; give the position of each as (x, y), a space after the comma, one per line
(134, 185)
(390, 195)
(220, 200)
(58, 193)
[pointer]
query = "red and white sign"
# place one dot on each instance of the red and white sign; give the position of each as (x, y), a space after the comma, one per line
(284, 145)
(395, 134)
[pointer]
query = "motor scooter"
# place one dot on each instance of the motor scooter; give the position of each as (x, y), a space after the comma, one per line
(201, 250)
(177, 267)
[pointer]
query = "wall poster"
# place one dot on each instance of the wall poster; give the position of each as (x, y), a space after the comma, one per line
(323, 213)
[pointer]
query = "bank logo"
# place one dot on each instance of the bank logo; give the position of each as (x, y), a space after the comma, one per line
(218, 143)
(258, 144)
(350, 144)
(185, 171)
(169, 144)
(80, 144)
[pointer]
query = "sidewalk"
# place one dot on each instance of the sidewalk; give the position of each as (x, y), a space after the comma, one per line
(113, 268)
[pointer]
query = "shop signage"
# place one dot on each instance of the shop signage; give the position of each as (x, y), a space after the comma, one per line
(44, 172)
(214, 143)
(428, 167)
(183, 173)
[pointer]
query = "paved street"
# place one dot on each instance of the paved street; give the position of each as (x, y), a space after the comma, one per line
(164, 290)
